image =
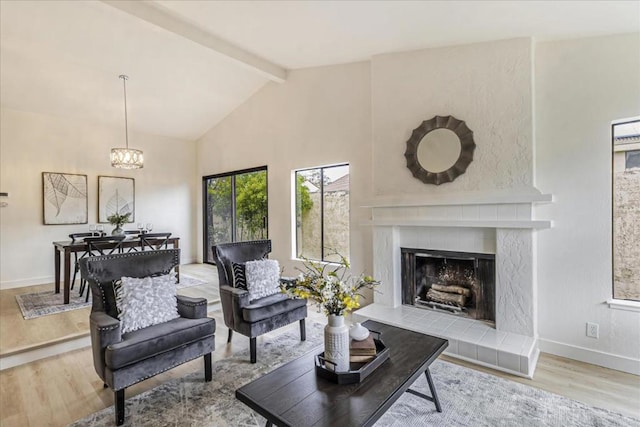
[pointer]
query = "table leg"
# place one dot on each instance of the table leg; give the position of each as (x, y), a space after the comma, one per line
(434, 396)
(56, 267)
(67, 275)
(432, 387)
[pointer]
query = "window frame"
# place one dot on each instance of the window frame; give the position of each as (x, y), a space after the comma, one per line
(618, 303)
(205, 222)
(294, 216)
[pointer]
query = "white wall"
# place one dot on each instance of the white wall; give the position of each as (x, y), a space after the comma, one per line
(339, 113)
(33, 143)
(581, 86)
(319, 116)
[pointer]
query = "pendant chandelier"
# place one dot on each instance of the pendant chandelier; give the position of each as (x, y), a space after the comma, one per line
(126, 158)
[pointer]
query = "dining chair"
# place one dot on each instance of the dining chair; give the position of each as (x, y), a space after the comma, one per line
(75, 237)
(154, 241)
(100, 246)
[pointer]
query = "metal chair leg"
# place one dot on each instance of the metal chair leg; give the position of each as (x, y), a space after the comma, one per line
(252, 349)
(303, 331)
(208, 371)
(230, 335)
(119, 401)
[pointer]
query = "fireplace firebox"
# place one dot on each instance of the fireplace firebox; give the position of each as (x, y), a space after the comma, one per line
(460, 283)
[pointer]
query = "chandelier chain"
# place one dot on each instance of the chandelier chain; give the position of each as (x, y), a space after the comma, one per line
(126, 122)
(126, 158)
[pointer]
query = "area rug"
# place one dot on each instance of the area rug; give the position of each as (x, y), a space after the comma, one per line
(468, 397)
(43, 303)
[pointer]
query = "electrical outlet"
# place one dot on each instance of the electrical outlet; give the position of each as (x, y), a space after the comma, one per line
(593, 330)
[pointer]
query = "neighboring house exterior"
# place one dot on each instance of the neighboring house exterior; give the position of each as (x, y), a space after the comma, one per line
(336, 214)
(626, 216)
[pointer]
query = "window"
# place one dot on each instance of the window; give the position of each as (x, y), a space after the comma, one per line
(626, 209)
(322, 213)
(235, 208)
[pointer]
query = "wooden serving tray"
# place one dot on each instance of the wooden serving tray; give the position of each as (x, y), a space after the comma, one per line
(357, 371)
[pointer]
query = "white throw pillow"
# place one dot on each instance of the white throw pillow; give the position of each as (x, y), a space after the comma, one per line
(146, 301)
(263, 278)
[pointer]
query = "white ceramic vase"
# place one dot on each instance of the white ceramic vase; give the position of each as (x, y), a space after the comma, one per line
(358, 332)
(336, 344)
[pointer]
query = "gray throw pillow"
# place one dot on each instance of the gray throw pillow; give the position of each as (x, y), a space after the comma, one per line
(146, 301)
(263, 278)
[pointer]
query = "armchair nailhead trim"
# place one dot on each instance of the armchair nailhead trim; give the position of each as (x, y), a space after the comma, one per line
(104, 300)
(159, 372)
(109, 328)
(252, 243)
(191, 304)
(92, 276)
(148, 254)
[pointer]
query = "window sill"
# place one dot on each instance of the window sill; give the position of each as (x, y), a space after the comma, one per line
(621, 304)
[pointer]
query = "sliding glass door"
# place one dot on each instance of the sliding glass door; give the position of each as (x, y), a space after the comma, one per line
(235, 207)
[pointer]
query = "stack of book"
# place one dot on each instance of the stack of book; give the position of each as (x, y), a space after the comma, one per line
(362, 351)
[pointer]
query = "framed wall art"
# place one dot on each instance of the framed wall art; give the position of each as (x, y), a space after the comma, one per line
(115, 195)
(64, 198)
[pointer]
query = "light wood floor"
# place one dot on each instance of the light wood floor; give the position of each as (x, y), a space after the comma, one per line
(64, 388)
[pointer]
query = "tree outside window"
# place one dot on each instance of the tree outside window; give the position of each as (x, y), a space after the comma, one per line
(236, 207)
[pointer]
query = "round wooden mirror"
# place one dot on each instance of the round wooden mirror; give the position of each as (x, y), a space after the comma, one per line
(440, 150)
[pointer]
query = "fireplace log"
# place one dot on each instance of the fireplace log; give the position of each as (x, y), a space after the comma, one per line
(447, 298)
(452, 289)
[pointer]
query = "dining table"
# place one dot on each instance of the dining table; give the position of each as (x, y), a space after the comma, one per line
(62, 250)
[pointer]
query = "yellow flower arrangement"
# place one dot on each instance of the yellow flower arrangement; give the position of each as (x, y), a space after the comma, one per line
(329, 286)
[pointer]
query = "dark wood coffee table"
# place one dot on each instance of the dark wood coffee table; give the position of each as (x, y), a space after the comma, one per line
(293, 395)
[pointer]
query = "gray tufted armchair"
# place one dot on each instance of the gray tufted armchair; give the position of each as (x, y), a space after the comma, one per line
(257, 317)
(121, 359)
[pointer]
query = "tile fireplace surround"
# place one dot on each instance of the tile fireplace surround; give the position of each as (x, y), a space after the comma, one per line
(501, 224)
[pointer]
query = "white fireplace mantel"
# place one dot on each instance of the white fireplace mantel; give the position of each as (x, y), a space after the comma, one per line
(461, 198)
(462, 223)
(501, 223)
(482, 209)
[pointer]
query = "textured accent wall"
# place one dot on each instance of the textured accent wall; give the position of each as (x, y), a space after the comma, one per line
(487, 85)
(514, 282)
(386, 262)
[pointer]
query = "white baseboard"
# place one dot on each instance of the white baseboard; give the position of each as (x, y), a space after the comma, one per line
(488, 365)
(21, 283)
(600, 358)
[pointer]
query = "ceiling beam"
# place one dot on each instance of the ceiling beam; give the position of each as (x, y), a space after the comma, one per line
(150, 12)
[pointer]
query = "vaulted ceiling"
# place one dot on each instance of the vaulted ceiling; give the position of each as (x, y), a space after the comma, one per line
(191, 63)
